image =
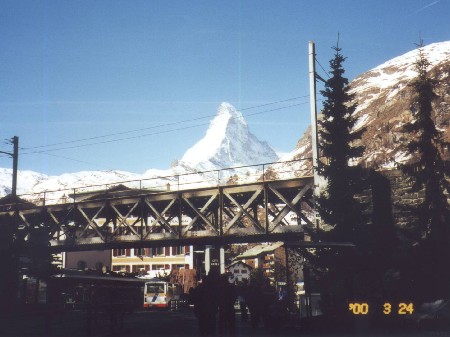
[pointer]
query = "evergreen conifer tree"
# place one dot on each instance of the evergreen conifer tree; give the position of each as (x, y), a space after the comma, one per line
(429, 172)
(428, 169)
(336, 204)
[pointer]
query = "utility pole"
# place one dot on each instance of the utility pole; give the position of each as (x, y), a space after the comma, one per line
(15, 156)
(313, 108)
(318, 181)
(15, 164)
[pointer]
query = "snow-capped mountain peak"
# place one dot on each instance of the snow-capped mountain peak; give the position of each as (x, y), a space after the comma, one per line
(228, 142)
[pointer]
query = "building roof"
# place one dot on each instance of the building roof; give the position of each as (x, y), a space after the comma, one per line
(12, 202)
(259, 250)
(119, 190)
(238, 262)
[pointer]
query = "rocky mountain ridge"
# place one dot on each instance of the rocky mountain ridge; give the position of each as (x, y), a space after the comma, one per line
(228, 142)
(383, 96)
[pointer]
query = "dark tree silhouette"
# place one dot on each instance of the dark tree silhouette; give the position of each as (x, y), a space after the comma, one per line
(337, 203)
(427, 168)
(429, 173)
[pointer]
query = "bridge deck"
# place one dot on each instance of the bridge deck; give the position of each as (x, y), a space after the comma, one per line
(143, 218)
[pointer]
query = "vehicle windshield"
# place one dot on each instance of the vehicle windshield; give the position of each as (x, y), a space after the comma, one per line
(155, 287)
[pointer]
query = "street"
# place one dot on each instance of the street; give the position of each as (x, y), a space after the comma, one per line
(154, 323)
(138, 324)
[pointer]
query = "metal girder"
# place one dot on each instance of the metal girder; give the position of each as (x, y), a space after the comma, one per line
(160, 217)
(289, 205)
(224, 214)
(61, 225)
(243, 210)
(201, 213)
(91, 223)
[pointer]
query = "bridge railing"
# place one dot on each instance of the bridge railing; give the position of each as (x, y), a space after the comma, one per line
(160, 184)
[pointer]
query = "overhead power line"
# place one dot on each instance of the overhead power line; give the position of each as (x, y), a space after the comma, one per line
(153, 127)
(157, 132)
(326, 72)
(73, 159)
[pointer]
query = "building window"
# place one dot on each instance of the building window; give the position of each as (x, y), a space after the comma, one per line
(158, 251)
(244, 271)
(139, 252)
(138, 268)
(120, 268)
(178, 250)
(157, 267)
(122, 252)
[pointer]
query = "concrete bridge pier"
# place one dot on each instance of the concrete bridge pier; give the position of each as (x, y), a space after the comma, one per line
(214, 259)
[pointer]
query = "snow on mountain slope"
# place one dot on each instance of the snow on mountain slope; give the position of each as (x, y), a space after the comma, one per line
(383, 96)
(227, 143)
(396, 73)
(26, 180)
(32, 185)
(83, 178)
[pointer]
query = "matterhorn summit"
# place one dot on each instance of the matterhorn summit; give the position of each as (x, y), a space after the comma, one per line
(228, 143)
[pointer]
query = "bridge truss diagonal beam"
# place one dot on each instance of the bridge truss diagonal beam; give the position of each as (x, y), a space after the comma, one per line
(160, 219)
(243, 211)
(289, 205)
(228, 213)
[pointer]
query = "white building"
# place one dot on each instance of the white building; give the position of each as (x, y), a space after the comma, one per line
(239, 271)
(265, 256)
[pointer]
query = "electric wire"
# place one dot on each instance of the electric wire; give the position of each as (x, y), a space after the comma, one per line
(326, 72)
(73, 159)
(155, 126)
(154, 133)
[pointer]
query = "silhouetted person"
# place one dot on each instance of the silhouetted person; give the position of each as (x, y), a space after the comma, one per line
(254, 300)
(205, 302)
(228, 295)
(242, 296)
(268, 301)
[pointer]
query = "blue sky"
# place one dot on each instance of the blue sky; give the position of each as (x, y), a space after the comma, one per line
(74, 70)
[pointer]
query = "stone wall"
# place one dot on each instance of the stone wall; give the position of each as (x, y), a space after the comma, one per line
(388, 199)
(403, 199)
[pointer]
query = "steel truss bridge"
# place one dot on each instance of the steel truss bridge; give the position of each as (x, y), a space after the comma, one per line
(255, 212)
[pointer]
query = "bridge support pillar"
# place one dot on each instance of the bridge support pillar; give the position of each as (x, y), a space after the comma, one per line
(222, 260)
(207, 259)
(214, 259)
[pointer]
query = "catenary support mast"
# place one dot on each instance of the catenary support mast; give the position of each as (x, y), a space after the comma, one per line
(313, 108)
(15, 156)
(15, 164)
